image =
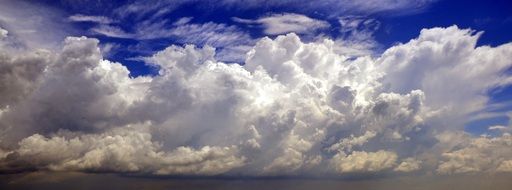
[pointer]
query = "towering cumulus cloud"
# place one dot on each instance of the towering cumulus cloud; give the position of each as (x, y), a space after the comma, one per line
(292, 108)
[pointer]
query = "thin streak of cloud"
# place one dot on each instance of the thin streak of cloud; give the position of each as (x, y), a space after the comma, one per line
(88, 18)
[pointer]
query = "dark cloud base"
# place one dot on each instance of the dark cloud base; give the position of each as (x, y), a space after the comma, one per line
(64, 180)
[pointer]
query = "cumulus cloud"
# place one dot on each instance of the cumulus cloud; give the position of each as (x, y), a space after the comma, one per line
(349, 143)
(286, 23)
(364, 161)
(122, 151)
(3, 33)
(482, 154)
(19, 75)
(446, 54)
(291, 108)
(408, 165)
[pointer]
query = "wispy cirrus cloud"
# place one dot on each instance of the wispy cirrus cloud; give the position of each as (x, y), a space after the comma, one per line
(335, 7)
(231, 41)
(89, 18)
(149, 21)
(111, 31)
(330, 8)
(41, 26)
(285, 23)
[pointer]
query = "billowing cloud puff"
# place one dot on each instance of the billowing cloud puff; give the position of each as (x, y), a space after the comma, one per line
(483, 154)
(365, 161)
(292, 108)
(122, 151)
(3, 33)
(408, 165)
(19, 75)
(439, 55)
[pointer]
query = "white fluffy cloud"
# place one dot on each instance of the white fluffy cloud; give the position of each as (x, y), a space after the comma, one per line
(482, 154)
(291, 108)
(123, 151)
(440, 55)
(364, 161)
(408, 165)
(3, 33)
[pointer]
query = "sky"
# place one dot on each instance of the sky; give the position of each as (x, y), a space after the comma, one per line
(329, 89)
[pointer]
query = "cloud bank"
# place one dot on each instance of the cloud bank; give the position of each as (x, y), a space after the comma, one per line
(292, 108)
